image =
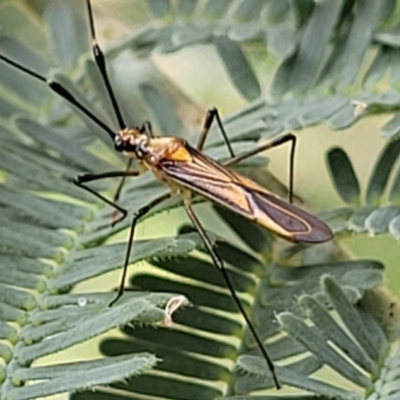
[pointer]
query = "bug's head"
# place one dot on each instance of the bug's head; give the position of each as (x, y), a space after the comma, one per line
(131, 141)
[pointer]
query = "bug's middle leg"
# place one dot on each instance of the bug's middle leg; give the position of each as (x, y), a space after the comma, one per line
(138, 214)
(213, 114)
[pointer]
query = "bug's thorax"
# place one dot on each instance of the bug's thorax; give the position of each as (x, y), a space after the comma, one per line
(151, 151)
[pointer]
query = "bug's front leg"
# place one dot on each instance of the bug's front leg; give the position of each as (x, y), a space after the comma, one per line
(81, 181)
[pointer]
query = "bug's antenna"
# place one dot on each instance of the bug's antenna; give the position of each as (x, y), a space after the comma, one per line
(100, 61)
(61, 91)
(101, 64)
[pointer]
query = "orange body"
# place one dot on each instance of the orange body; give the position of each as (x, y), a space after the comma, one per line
(174, 162)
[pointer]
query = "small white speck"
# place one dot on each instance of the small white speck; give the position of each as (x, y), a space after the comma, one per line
(82, 301)
(359, 107)
(173, 304)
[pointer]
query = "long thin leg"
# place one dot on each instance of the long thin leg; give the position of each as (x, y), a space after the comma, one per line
(147, 129)
(212, 114)
(101, 64)
(80, 181)
(219, 264)
(138, 214)
(115, 217)
(288, 137)
(99, 59)
(122, 181)
(61, 91)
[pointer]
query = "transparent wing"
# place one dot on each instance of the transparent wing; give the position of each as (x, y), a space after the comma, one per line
(206, 177)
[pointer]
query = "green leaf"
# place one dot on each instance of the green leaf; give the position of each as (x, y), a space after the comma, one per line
(382, 170)
(187, 8)
(317, 338)
(313, 43)
(159, 8)
(238, 68)
(78, 376)
(161, 108)
(343, 176)
(324, 321)
(215, 9)
(63, 18)
(247, 11)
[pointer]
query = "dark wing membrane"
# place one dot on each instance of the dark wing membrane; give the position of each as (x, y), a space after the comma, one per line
(215, 182)
(300, 225)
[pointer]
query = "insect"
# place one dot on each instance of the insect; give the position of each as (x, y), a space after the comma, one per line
(187, 171)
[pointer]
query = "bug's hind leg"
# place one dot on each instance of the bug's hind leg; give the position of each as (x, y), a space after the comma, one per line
(217, 261)
(287, 137)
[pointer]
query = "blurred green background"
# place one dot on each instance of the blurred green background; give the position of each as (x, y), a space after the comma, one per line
(198, 73)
